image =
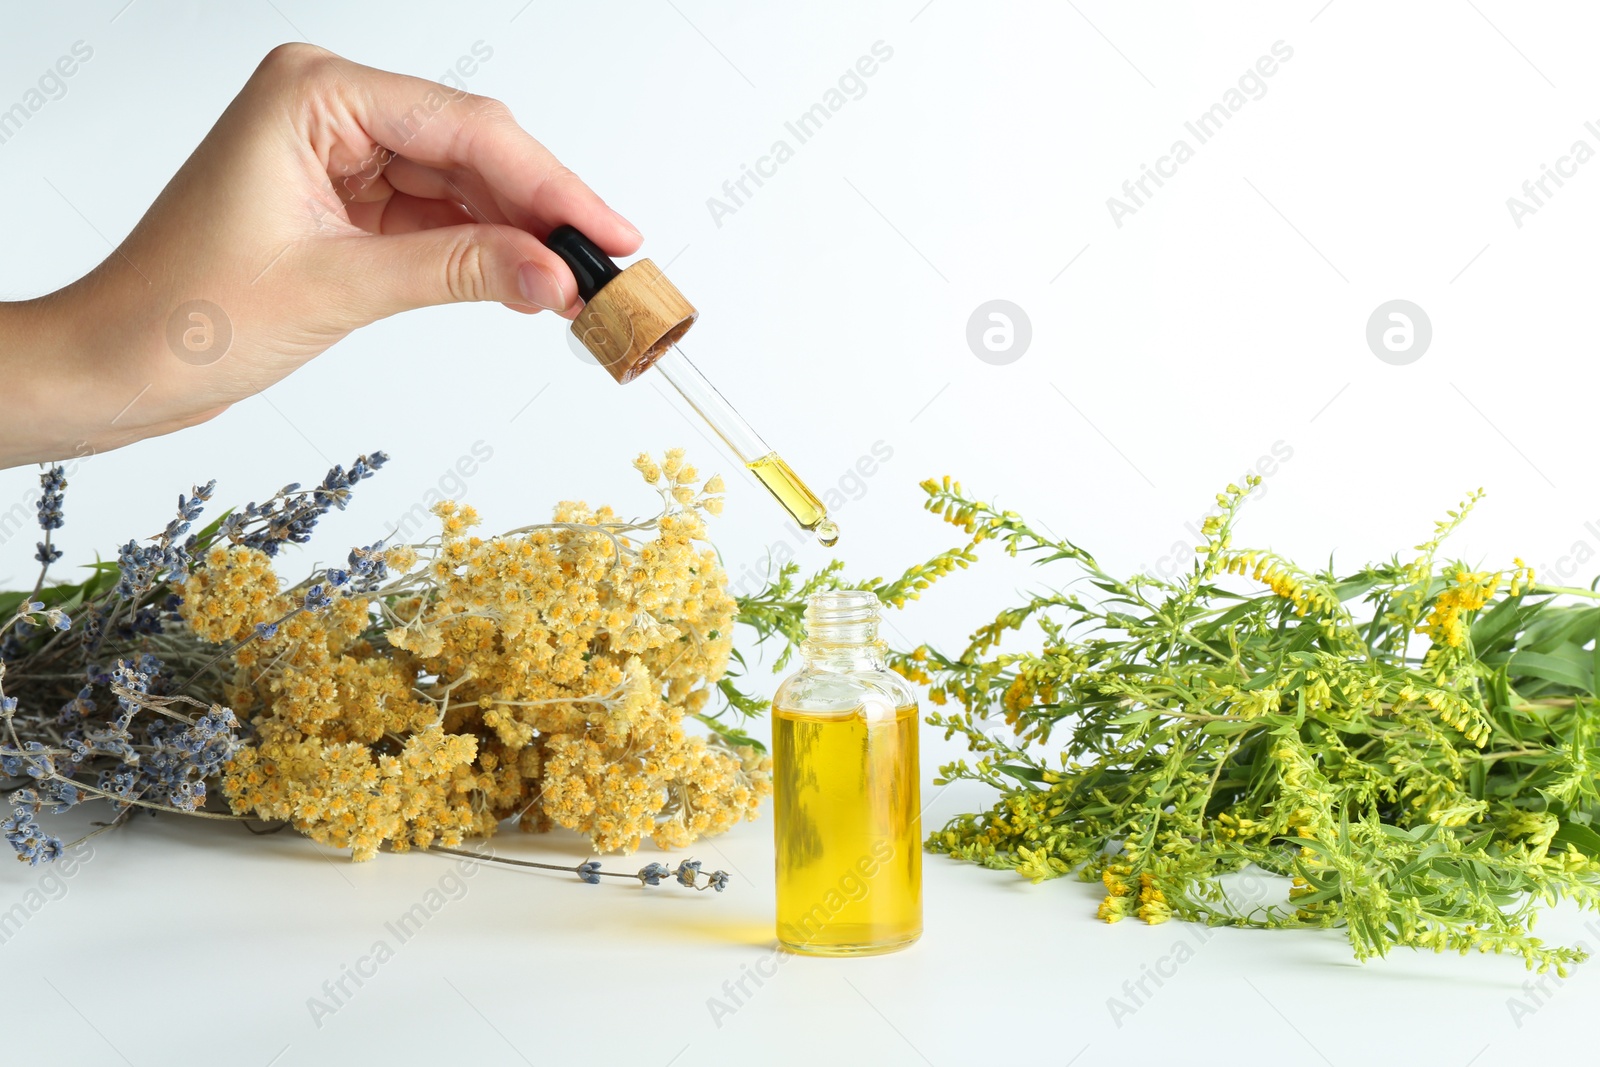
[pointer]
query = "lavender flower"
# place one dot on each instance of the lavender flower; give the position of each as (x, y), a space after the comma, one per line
(291, 514)
(145, 620)
(61, 794)
(367, 568)
(79, 708)
(53, 484)
(135, 680)
(166, 559)
(25, 835)
(94, 627)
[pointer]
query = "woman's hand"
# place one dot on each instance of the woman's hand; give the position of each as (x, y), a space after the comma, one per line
(327, 196)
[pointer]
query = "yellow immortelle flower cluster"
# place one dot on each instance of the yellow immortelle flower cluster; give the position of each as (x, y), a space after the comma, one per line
(543, 675)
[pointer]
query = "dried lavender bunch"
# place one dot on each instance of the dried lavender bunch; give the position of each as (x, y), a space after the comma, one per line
(95, 681)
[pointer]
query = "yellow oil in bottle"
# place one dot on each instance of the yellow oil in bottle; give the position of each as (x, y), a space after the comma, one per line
(795, 496)
(848, 830)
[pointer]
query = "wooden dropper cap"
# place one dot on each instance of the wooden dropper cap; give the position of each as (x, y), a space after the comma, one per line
(631, 316)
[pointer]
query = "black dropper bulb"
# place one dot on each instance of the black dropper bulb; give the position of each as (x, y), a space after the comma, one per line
(590, 266)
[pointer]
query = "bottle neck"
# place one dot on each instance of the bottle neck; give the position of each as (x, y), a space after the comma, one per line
(842, 632)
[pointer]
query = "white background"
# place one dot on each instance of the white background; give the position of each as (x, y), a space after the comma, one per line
(1168, 355)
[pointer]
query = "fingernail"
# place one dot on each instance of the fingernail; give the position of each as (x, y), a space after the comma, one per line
(630, 226)
(540, 287)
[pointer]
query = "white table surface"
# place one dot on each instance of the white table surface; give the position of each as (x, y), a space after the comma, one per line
(182, 942)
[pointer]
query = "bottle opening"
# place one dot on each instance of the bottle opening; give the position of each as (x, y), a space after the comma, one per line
(842, 617)
(843, 605)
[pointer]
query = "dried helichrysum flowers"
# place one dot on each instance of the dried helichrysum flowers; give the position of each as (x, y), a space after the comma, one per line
(545, 674)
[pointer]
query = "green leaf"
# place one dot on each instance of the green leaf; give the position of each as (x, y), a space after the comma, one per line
(1556, 627)
(1502, 620)
(1567, 666)
(1351, 588)
(1227, 729)
(1584, 839)
(731, 734)
(740, 701)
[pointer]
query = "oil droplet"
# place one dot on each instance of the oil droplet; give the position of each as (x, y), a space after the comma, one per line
(827, 533)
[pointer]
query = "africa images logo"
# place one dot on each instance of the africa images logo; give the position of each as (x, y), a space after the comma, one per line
(1251, 85)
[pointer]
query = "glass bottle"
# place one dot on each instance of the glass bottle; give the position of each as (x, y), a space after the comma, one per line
(846, 787)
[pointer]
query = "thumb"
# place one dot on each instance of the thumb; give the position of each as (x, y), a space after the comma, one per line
(392, 273)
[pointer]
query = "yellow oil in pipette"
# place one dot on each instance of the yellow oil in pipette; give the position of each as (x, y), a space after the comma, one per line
(795, 496)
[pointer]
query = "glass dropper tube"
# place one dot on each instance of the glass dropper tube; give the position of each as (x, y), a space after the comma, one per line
(630, 321)
(769, 468)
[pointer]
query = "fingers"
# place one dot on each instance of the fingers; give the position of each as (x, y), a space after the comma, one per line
(460, 187)
(444, 155)
(450, 130)
(419, 179)
(402, 213)
(388, 274)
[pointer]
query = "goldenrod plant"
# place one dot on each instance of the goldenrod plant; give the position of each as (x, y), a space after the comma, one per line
(1414, 744)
